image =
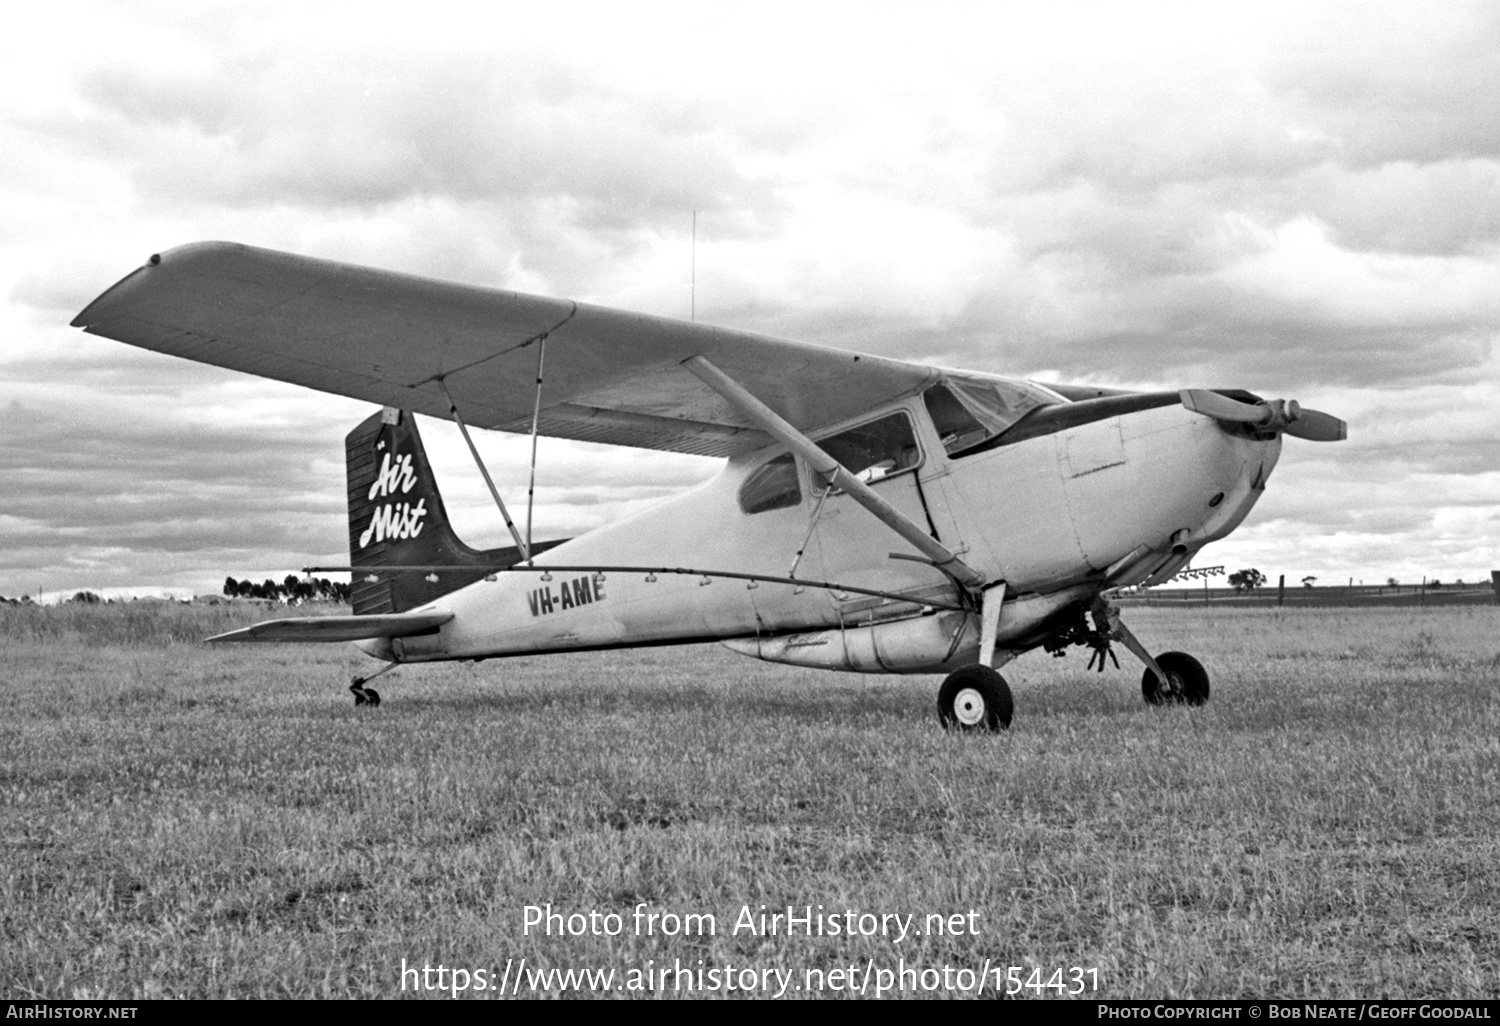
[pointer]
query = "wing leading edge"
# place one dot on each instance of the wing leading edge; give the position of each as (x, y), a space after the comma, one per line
(388, 338)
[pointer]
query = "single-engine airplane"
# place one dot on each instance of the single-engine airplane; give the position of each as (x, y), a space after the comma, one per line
(873, 515)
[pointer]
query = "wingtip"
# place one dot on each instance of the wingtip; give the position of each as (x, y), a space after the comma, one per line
(109, 302)
(100, 308)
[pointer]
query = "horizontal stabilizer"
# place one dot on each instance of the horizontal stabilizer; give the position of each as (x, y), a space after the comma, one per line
(340, 628)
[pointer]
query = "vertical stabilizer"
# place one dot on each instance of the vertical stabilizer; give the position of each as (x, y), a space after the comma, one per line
(397, 518)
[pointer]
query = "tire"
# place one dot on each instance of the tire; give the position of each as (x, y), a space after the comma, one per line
(975, 698)
(1187, 680)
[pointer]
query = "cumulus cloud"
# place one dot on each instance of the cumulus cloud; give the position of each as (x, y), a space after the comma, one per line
(382, 130)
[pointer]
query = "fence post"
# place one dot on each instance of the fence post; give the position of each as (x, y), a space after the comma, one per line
(1281, 591)
(1495, 580)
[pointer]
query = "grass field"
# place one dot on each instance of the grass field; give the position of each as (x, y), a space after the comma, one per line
(180, 820)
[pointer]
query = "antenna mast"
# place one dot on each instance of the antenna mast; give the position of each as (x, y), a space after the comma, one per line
(693, 286)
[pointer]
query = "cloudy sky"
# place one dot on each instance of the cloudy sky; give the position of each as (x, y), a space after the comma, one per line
(1299, 199)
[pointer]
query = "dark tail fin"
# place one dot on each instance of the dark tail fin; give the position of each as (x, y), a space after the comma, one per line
(397, 518)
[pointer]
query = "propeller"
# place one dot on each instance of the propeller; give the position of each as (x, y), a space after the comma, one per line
(1283, 415)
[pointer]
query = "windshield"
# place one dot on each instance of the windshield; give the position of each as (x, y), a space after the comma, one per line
(968, 412)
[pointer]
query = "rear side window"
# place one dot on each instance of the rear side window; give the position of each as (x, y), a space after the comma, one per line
(773, 485)
(875, 450)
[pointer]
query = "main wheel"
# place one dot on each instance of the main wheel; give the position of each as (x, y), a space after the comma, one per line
(975, 698)
(1187, 681)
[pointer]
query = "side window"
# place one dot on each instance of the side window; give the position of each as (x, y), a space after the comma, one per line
(956, 426)
(773, 485)
(970, 413)
(877, 449)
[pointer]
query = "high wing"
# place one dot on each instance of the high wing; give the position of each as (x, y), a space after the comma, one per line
(388, 338)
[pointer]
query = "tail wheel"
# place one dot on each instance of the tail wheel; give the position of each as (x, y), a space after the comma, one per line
(975, 698)
(1187, 681)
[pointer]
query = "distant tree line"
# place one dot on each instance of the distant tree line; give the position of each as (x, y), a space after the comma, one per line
(86, 597)
(291, 589)
(1248, 579)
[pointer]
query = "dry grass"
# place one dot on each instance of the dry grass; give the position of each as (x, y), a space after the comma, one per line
(224, 822)
(143, 623)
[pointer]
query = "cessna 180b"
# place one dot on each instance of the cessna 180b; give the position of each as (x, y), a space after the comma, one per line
(873, 515)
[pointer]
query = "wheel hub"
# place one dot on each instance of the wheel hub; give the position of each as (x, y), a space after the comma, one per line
(968, 707)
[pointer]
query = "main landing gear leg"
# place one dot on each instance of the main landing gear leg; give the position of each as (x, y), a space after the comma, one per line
(1172, 678)
(369, 696)
(976, 697)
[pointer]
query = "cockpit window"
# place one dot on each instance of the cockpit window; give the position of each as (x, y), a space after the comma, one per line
(771, 486)
(968, 412)
(956, 426)
(875, 450)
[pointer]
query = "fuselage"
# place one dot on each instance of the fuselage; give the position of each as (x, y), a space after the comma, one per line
(1058, 517)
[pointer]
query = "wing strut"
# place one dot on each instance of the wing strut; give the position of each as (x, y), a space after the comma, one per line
(812, 525)
(524, 546)
(834, 472)
(536, 418)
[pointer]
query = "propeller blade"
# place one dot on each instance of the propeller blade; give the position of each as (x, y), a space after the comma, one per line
(1221, 407)
(1317, 426)
(1277, 415)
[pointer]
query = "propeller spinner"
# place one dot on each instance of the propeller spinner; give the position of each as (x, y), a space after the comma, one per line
(1283, 415)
